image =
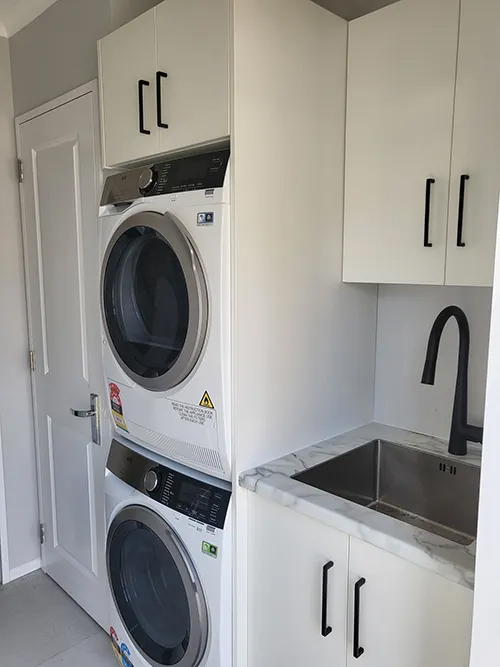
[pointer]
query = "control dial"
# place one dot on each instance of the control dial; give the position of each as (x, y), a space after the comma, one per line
(146, 180)
(151, 480)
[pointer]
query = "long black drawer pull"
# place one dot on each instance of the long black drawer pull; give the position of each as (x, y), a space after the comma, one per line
(358, 650)
(142, 84)
(325, 628)
(428, 187)
(159, 112)
(461, 206)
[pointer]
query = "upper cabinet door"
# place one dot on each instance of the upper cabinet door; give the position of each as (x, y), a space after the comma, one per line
(193, 72)
(127, 62)
(476, 147)
(401, 83)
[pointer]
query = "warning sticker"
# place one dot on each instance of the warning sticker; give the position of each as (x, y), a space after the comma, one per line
(206, 401)
(116, 406)
(193, 413)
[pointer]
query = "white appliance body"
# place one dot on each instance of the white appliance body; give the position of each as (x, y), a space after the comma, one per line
(187, 422)
(169, 573)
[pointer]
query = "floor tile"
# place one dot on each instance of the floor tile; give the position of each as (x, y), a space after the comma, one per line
(95, 651)
(38, 621)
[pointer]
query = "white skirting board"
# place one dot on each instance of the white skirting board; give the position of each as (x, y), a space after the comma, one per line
(23, 570)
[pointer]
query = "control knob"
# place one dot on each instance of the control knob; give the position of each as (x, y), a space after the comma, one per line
(151, 480)
(146, 180)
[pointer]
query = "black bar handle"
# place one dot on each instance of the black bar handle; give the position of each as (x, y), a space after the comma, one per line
(159, 113)
(461, 206)
(428, 187)
(325, 628)
(142, 84)
(358, 650)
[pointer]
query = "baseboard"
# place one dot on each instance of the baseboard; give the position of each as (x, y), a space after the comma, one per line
(23, 570)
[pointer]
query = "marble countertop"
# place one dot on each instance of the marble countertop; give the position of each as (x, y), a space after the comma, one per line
(274, 482)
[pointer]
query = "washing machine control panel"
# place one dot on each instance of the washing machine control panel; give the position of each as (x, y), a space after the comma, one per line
(205, 171)
(197, 498)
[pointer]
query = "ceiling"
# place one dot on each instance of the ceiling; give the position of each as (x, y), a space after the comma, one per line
(15, 14)
(352, 9)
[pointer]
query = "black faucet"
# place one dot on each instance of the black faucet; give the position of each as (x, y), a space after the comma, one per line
(460, 431)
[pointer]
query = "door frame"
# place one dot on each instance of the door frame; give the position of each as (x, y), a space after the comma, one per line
(81, 91)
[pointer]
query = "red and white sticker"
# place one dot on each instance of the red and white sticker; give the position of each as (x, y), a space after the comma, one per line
(116, 406)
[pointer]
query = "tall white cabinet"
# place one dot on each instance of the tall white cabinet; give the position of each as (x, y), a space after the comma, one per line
(423, 143)
(164, 80)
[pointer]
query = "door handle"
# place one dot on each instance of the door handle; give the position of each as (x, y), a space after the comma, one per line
(357, 649)
(142, 84)
(159, 112)
(92, 414)
(461, 207)
(325, 628)
(428, 188)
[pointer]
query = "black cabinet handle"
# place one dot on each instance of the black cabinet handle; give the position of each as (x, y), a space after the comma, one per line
(159, 113)
(358, 650)
(325, 628)
(461, 205)
(142, 84)
(428, 187)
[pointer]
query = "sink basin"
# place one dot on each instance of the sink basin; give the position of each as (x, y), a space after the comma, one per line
(428, 491)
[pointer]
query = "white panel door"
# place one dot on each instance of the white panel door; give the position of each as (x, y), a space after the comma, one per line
(401, 87)
(476, 147)
(59, 199)
(127, 68)
(193, 51)
(285, 587)
(408, 616)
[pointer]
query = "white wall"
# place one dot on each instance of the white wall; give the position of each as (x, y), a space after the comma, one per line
(304, 342)
(123, 11)
(487, 581)
(16, 420)
(405, 317)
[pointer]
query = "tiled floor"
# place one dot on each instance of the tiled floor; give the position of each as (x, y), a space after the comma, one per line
(41, 626)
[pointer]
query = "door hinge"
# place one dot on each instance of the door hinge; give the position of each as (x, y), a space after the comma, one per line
(32, 361)
(20, 170)
(42, 533)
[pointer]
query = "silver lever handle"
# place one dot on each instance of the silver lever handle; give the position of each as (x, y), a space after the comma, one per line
(92, 414)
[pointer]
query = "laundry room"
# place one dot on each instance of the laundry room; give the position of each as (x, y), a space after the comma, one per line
(251, 333)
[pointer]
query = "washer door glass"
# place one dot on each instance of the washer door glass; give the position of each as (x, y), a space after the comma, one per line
(154, 301)
(156, 590)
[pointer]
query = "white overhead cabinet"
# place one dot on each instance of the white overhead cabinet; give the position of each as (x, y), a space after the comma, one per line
(423, 144)
(164, 80)
(383, 611)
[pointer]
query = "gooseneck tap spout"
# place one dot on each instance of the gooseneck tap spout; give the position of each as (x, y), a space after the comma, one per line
(460, 431)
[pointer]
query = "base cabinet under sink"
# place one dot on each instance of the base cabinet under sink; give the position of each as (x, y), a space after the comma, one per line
(407, 616)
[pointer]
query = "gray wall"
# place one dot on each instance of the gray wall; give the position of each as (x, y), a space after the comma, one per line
(57, 52)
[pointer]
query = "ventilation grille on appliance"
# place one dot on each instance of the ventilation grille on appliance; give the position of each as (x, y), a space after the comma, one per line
(178, 449)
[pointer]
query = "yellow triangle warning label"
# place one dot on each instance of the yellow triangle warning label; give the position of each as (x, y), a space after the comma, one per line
(206, 401)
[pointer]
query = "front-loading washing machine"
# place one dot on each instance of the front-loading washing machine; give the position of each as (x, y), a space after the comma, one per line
(168, 553)
(165, 303)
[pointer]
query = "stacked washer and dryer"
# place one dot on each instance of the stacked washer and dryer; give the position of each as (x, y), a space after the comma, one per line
(165, 297)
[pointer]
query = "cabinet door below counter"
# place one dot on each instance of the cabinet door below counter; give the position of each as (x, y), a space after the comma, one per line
(406, 615)
(294, 564)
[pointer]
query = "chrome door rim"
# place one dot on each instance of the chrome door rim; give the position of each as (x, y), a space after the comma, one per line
(198, 611)
(171, 231)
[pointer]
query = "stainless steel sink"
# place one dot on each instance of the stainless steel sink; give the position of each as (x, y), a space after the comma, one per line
(428, 491)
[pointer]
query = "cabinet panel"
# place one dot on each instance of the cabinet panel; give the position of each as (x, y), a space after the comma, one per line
(193, 50)
(127, 56)
(401, 81)
(476, 146)
(408, 616)
(286, 559)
